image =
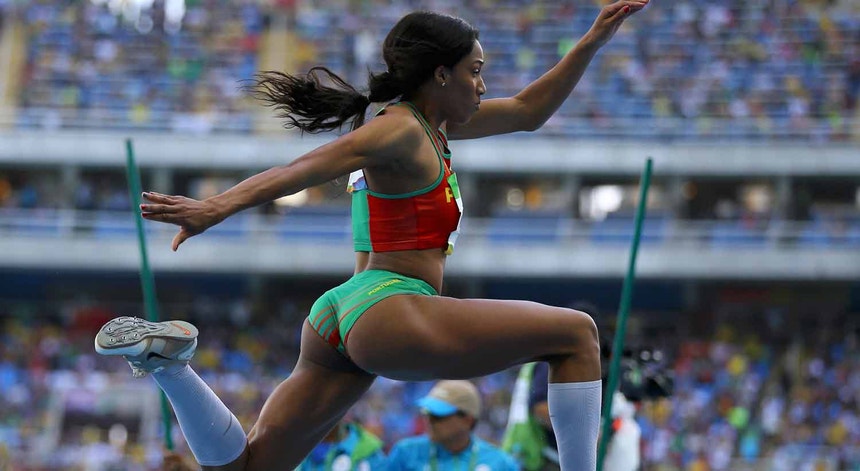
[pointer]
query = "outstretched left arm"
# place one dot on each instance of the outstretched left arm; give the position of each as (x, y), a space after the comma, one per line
(529, 109)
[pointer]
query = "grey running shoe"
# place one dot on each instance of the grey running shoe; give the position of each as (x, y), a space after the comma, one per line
(148, 346)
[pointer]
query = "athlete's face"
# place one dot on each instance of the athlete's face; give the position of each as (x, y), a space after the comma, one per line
(465, 86)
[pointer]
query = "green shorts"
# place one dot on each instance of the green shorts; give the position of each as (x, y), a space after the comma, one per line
(335, 312)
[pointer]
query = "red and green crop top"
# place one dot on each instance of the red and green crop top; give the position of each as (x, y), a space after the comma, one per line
(423, 219)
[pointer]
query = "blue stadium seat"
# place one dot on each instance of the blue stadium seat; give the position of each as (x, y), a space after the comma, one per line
(234, 227)
(618, 230)
(735, 234)
(817, 235)
(657, 43)
(31, 222)
(323, 224)
(524, 227)
(114, 224)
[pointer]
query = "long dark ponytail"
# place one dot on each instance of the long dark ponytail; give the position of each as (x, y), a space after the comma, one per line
(309, 103)
(322, 101)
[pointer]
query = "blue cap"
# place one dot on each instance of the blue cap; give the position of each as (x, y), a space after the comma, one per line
(449, 397)
(437, 407)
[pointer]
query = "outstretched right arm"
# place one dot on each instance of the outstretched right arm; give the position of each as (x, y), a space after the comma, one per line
(376, 143)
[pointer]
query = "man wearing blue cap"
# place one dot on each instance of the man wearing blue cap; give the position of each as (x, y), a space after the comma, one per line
(451, 411)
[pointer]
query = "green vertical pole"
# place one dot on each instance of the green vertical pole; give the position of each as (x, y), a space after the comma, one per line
(623, 313)
(147, 280)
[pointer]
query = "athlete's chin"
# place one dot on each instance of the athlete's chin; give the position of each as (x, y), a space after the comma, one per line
(461, 120)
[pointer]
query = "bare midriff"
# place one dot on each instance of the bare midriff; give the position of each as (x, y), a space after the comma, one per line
(427, 265)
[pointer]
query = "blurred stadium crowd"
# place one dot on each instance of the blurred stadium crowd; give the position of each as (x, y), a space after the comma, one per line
(754, 70)
(743, 71)
(740, 396)
(739, 69)
(715, 69)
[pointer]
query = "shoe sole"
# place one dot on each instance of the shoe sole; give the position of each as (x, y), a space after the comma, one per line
(129, 345)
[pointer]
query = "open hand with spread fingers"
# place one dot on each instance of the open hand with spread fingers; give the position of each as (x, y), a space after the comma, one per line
(192, 216)
(610, 19)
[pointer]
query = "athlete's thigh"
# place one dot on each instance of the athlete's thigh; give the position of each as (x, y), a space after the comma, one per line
(428, 337)
(305, 406)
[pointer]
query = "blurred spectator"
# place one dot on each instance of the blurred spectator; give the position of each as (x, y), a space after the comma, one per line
(168, 66)
(731, 69)
(738, 398)
(529, 437)
(451, 409)
(623, 450)
(347, 446)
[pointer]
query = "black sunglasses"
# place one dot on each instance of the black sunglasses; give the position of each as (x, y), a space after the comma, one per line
(432, 417)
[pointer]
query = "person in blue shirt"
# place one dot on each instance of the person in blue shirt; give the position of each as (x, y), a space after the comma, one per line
(348, 447)
(451, 409)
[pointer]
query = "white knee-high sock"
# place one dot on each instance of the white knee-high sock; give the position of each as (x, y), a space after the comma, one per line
(213, 433)
(574, 410)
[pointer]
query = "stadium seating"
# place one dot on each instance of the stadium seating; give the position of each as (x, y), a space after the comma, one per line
(322, 224)
(741, 73)
(525, 227)
(691, 70)
(90, 68)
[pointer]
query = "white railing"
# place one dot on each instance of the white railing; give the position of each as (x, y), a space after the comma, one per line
(124, 119)
(258, 120)
(335, 227)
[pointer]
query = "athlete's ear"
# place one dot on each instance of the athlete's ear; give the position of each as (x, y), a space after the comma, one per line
(441, 75)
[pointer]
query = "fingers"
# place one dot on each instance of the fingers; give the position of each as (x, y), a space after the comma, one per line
(619, 10)
(159, 198)
(634, 6)
(179, 238)
(166, 204)
(170, 218)
(619, 14)
(166, 209)
(159, 208)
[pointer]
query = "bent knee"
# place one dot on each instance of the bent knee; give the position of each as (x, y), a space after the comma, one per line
(584, 337)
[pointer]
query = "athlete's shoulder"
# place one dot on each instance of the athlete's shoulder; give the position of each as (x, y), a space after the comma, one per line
(390, 133)
(399, 119)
